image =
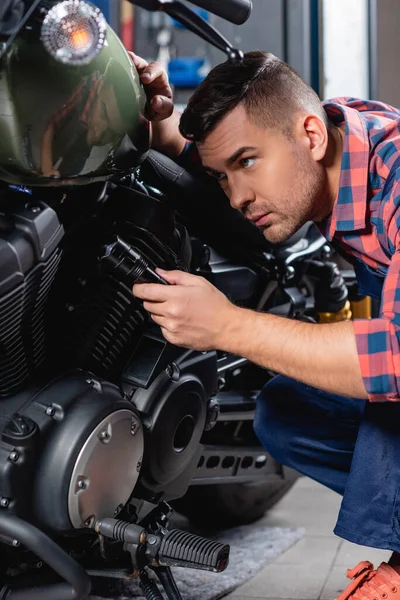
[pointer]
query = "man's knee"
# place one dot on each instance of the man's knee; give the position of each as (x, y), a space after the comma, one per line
(272, 417)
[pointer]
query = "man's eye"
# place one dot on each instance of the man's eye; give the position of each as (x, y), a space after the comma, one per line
(246, 163)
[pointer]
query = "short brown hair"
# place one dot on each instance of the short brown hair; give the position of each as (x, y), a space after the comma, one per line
(270, 90)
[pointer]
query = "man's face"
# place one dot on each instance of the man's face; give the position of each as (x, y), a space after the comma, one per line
(274, 181)
(105, 124)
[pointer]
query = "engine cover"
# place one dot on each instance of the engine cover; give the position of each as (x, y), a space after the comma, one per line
(88, 448)
(174, 386)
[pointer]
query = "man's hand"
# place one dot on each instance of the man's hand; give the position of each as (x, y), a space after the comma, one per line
(158, 91)
(160, 108)
(191, 313)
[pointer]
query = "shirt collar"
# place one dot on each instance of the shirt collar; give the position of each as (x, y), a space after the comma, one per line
(349, 210)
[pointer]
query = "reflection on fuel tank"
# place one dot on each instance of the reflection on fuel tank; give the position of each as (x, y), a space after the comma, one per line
(97, 113)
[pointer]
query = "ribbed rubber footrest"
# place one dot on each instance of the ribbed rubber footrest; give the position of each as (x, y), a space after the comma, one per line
(182, 549)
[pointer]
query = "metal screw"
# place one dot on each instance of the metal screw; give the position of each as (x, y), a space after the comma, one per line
(173, 371)
(139, 464)
(104, 436)
(134, 427)
(151, 540)
(69, 307)
(89, 521)
(82, 484)
(90, 381)
(4, 502)
(290, 271)
(118, 509)
(14, 456)
(50, 410)
(15, 543)
(326, 251)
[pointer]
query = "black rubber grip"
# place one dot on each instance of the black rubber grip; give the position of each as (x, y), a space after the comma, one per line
(234, 11)
(182, 549)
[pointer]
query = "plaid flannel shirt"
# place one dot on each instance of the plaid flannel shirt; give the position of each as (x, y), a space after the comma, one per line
(365, 221)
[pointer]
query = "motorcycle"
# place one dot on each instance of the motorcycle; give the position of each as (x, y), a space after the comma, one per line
(104, 425)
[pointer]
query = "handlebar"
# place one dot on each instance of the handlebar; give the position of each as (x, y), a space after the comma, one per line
(235, 11)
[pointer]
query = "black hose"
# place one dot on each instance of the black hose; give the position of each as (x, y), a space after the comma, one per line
(164, 574)
(35, 540)
(149, 587)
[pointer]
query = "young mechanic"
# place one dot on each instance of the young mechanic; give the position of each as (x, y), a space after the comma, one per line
(284, 158)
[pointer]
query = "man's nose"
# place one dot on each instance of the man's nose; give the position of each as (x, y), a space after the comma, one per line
(240, 198)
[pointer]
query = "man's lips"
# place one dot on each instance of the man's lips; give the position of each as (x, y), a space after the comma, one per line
(259, 220)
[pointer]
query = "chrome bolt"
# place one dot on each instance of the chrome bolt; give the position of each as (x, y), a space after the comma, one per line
(50, 410)
(152, 540)
(14, 456)
(290, 271)
(134, 427)
(15, 543)
(104, 436)
(90, 381)
(89, 521)
(326, 251)
(4, 502)
(82, 485)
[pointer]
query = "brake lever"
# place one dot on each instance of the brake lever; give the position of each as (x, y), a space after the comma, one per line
(194, 23)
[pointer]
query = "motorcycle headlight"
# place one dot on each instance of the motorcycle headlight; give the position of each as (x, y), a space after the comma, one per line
(74, 32)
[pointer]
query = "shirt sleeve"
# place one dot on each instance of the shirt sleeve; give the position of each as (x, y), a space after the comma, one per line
(378, 340)
(189, 159)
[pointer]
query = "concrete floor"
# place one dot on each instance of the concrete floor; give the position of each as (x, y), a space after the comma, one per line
(315, 568)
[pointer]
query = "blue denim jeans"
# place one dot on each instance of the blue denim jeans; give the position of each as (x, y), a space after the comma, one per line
(347, 444)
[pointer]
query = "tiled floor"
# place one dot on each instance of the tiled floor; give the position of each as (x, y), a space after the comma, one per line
(315, 568)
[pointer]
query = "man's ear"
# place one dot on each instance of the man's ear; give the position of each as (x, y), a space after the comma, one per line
(314, 135)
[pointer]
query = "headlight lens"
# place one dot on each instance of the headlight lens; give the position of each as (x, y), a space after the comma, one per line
(74, 32)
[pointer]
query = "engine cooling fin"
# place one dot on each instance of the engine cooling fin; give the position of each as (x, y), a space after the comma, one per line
(22, 316)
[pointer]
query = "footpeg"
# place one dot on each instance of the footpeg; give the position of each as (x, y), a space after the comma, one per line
(183, 549)
(152, 546)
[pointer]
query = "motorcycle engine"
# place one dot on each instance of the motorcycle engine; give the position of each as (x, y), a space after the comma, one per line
(96, 405)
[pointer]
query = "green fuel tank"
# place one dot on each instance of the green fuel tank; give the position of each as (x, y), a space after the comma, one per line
(63, 124)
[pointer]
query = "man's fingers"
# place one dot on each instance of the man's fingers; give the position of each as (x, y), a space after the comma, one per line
(155, 74)
(153, 292)
(155, 308)
(139, 62)
(179, 277)
(161, 108)
(160, 320)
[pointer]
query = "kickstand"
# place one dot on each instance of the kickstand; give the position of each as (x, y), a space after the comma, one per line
(164, 574)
